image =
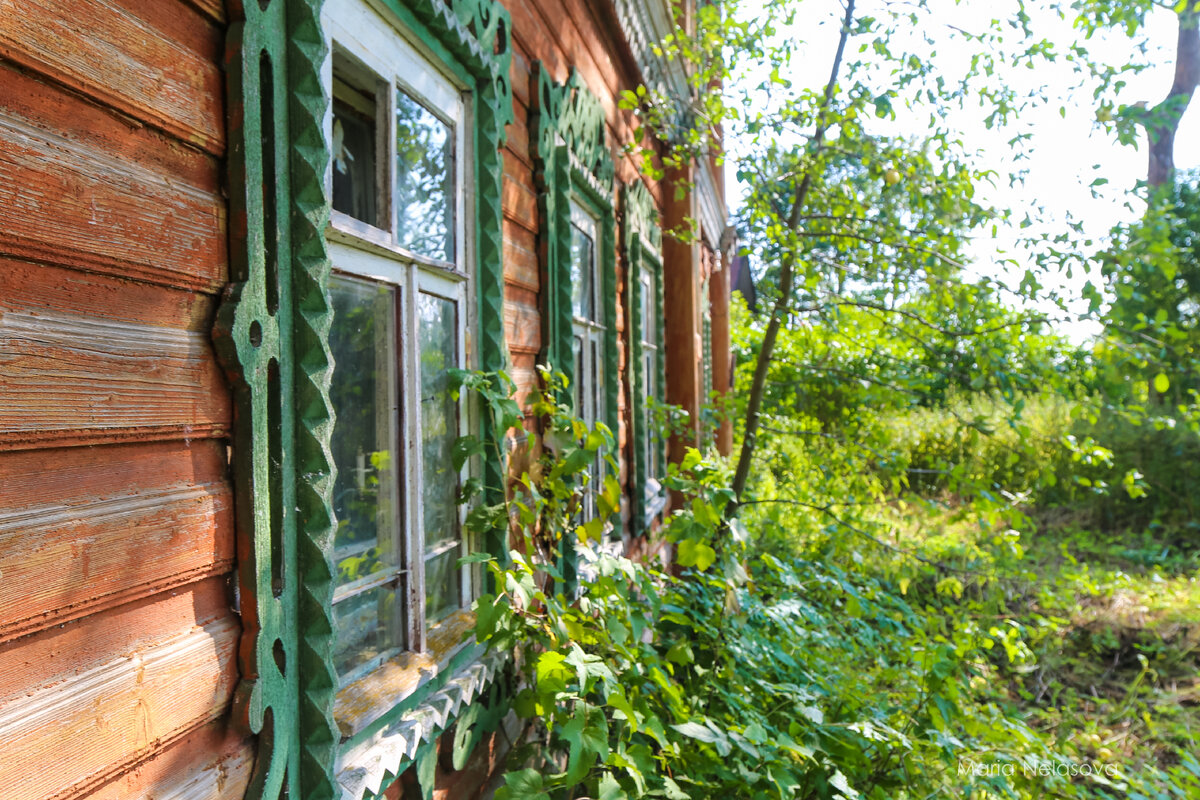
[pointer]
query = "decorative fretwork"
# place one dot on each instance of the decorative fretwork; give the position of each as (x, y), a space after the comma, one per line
(272, 334)
(573, 159)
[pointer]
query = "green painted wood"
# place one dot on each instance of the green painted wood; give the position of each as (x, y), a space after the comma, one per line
(316, 679)
(253, 335)
(272, 335)
(573, 159)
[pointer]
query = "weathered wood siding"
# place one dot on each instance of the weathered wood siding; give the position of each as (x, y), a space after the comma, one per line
(117, 638)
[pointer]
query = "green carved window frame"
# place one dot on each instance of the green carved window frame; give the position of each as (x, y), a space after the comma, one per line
(642, 240)
(272, 335)
(574, 168)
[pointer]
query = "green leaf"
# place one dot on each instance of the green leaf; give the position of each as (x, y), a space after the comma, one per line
(839, 782)
(610, 789)
(525, 784)
(487, 612)
(673, 791)
(695, 730)
(692, 553)
(587, 734)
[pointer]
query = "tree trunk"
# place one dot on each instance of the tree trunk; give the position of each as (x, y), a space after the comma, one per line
(780, 311)
(1165, 116)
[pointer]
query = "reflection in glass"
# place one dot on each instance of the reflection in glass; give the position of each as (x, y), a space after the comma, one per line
(353, 146)
(366, 500)
(651, 437)
(437, 339)
(583, 299)
(364, 394)
(580, 382)
(366, 626)
(441, 585)
(425, 180)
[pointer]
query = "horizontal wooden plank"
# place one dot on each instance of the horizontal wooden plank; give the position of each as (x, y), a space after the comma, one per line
(210, 764)
(520, 257)
(517, 193)
(67, 202)
(62, 651)
(522, 320)
(76, 526)
(44, 289)
(62, 562)
(64, 738)
(82, 359)
(519, 145)
(50, 107)
(519, 71)
(158, 62)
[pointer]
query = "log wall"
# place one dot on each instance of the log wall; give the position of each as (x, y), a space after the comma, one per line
(117, 638)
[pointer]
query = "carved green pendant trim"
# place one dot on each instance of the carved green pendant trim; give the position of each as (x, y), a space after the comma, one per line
(573, 160)
(272, 335)
(254, 337)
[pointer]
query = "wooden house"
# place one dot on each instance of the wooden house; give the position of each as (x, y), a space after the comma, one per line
(240, 244)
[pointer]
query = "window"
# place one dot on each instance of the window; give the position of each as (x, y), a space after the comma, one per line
(578, 245)
(651, 390)
(643, 243)
(399, 250)
(587, 332)
(420, 98)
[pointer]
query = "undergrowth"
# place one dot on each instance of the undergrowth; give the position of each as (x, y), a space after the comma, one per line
(923, 647)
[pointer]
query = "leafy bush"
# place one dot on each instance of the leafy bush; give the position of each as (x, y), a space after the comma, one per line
(748, 676)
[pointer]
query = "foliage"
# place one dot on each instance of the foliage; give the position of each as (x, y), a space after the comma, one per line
(822, 676)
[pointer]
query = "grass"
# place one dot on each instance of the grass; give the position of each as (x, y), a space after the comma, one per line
(1111, 623)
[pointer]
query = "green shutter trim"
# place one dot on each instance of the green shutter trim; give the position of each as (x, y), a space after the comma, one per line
(310, 157)
(272, 335)
(573, 159)
(642, 239)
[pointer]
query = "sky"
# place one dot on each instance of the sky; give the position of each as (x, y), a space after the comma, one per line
(1066, 152)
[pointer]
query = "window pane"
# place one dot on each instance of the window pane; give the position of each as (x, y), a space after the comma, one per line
(438, 342)
(366, 626)
(364, 395)
(583, 300)
(441, 585)
(425, 180)
(581, 409)
(354, 164)
(649, 321)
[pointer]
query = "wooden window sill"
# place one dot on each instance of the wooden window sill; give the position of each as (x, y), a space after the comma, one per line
(362, 702)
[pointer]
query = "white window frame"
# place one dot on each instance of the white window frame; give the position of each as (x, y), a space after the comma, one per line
(651, 350)
(359, 249)
(591, 332)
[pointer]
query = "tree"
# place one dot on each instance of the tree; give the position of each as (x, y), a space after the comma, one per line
(851, 207)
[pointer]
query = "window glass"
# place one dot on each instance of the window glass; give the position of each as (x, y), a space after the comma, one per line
(424, 192)
(398, 329)
(583, 300)
(364, 390)
(368, 628)
(355, 187)
(438, 344)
